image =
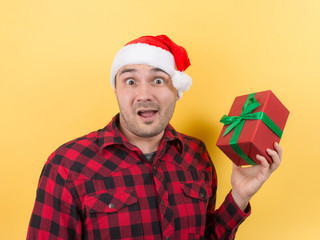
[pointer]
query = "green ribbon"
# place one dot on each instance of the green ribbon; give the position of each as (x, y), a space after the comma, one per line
(237, 122)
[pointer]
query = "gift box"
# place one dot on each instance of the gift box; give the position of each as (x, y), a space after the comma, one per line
(254, 123)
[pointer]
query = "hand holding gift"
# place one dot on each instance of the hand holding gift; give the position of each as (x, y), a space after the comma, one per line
(246, 181)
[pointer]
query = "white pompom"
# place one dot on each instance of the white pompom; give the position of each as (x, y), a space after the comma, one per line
(181, 81)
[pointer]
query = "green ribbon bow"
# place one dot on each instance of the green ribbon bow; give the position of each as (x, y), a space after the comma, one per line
(237, 122)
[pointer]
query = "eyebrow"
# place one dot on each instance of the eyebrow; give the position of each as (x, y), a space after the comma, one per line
(127, 70)
(158, 70)
(135, 70)
(155, 70)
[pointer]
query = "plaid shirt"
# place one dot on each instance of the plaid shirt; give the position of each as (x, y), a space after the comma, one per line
(102, 187)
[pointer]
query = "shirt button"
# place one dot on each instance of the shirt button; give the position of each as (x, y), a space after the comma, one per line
(111, 205)
(155, 167)
(162, 202)
(201, 195)
(168, 238)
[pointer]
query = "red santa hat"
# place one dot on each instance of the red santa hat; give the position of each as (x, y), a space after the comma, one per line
(157, 51)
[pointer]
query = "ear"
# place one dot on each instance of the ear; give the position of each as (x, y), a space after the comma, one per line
(115, 85)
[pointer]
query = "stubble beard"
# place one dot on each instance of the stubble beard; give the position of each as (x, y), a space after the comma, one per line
(145, 129)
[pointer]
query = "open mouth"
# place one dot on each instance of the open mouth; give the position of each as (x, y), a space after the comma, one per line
(147, 113)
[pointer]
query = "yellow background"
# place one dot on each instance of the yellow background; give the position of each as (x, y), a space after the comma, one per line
(55, 59)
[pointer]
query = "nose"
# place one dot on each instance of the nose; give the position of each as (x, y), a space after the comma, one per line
(144, 92)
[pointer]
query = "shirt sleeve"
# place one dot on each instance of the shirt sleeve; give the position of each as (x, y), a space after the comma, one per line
(223, 223)
(55, 215)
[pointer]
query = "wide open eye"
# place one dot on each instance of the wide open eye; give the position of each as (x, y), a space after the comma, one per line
(158, 81)
(130, 81)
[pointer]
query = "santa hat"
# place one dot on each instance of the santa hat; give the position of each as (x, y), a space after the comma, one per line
(157, 51)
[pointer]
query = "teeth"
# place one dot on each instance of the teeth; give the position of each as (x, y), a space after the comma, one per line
(143, 111)
(146, 113)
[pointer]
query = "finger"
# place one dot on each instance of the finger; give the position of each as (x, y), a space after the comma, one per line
(278, 148)
(275, 157)
(264, 163)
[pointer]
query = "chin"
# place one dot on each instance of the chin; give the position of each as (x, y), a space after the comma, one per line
(147, 133)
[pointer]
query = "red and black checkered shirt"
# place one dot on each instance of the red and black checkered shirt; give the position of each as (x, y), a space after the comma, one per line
(102, 187)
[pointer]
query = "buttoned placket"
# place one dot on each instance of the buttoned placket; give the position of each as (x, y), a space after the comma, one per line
(166, 214)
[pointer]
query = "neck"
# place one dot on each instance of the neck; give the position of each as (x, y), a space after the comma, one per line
(145, 144)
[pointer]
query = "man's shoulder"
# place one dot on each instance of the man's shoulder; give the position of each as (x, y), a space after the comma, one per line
(71, 158)
(195, 152)
(187, 140)
(91, 138)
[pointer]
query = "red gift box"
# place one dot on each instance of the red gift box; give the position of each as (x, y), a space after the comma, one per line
(254, 123)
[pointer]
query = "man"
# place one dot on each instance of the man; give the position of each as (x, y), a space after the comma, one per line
(138, 178)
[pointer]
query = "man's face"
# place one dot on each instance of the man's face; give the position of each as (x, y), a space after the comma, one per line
(146, 99)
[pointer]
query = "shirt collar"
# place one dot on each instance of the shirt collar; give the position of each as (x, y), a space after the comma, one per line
(171, 135)
(111, 135)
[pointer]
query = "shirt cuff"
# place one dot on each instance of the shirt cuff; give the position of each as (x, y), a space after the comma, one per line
(231, 214)
(244, 213)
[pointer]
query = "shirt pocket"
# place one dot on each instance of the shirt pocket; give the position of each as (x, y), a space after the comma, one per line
(114, 213)
(196, 198)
